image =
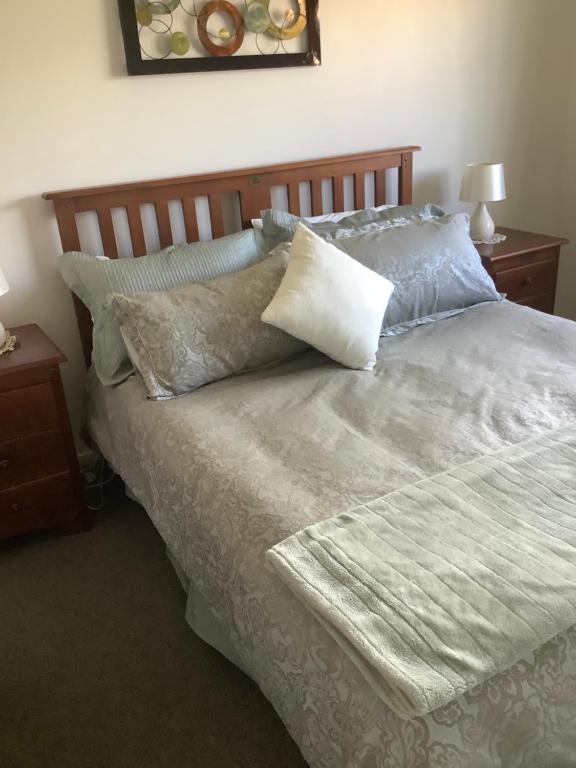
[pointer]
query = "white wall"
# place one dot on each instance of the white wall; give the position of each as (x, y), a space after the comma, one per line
(463, 78)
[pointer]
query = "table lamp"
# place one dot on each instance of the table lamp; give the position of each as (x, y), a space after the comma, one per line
(4, 288)
(482, 183)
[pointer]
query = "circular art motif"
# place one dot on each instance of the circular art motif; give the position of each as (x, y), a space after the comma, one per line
(159, 8)
(257, 17)
(237, 37)
(179, 43)
(144, 16)
(294, 30)
(160, 30)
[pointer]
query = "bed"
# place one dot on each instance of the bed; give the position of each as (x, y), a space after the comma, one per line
(233, 469)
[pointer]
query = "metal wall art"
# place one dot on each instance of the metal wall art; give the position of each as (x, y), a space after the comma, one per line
(197, 36)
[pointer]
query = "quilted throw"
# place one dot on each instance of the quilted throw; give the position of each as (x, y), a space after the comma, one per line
(434, 588)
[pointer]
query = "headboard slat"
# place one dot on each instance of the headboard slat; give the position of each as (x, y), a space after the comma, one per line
(380, 196)
(216, 215)
(66, 218)
(163, 221)
(338, 193)
(316, 192)
(405, 180)
(107, 232)
(254, 198)
(136, 230)
(70, 238)
(190, 221)
(359, 190)
(294, 197)
(253, 185)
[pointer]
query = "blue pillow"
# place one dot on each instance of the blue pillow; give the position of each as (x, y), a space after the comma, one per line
(433, 264)
(279, 226)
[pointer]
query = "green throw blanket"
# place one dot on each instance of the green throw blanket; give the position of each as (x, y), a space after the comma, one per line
(435, 588)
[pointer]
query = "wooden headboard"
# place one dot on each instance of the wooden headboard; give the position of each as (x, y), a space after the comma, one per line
(251, 188)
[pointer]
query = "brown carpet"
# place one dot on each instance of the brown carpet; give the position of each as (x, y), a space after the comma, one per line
(99, 669)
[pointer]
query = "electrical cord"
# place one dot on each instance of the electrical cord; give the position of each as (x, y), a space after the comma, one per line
(97, 469)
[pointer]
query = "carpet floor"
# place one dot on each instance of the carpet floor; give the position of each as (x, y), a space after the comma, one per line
(98, 668)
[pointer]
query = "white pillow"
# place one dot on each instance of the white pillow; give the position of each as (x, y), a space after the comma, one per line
(330, 301)
(328, 217)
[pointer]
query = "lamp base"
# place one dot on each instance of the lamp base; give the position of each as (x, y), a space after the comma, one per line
(7, 342)
(482, 227)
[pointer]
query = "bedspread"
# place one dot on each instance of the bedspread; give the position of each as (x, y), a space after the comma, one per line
(233, 469)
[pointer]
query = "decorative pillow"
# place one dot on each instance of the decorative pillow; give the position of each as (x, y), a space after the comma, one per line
(279, 226)
(433, 265)
(201, 332)
(330, 301)
(328, 217)
(95, 278)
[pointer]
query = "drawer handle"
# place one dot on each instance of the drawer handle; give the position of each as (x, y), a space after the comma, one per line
(4, 463)
(16, 507)
(527, 281)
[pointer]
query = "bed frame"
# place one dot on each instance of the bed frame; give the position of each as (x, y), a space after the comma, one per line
(252, 189)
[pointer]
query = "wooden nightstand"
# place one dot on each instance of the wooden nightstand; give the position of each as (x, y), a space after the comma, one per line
(39, 475)
(525, 267)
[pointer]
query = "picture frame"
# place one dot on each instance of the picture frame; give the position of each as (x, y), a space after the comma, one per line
(220, 54)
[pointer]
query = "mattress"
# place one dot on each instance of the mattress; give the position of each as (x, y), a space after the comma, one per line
(231, 470)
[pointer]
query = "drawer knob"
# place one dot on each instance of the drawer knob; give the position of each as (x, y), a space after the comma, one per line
(4, 463)
(527, 281)
(15, 507)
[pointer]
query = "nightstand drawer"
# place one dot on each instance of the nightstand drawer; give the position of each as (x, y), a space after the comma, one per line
(544, 303)
(526, 281)
(549, 255)
(30, 409)
(42, 504)
(30, 458)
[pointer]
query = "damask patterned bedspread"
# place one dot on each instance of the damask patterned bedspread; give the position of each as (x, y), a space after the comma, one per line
(233, 469)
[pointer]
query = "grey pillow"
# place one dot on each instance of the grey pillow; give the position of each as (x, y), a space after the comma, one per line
(279, 226)
(201, 332)
(95, 278)
(433, 264)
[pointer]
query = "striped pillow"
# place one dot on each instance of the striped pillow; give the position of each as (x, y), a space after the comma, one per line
(94, 278)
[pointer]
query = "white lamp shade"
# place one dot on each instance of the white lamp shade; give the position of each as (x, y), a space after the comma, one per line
(483, 183)
(4, 287)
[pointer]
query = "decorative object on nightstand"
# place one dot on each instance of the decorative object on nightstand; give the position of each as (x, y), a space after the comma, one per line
(483, 183)
(39, 475)
(7, 341)
(524, 267)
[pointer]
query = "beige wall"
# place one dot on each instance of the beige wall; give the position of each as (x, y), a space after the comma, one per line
(463, 78)
(548, 199)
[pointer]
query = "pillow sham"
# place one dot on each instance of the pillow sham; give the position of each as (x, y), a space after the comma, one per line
(182, 339)
(330, 301)
(329, 217)
(433, 265)
(279, 226)
(94, 278)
